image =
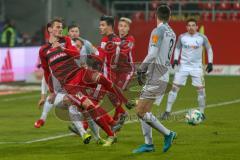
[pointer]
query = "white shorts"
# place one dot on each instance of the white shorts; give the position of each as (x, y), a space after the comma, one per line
(182, 74)
(155, 88)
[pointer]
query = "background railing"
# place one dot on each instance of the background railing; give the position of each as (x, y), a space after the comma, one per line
(181, 9)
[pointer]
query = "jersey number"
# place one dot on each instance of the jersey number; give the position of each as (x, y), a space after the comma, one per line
(170, 48)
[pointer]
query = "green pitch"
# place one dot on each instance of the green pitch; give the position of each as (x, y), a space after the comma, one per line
(218, 138)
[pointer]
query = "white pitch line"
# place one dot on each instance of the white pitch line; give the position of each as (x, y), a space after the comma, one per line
(128, 122)
(50, 138)
(17, 98)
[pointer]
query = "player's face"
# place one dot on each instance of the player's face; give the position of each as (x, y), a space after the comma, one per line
(192, 27)
(74, 32)
(78, 44)
(56, 29)
(123, 28)
(103, 27)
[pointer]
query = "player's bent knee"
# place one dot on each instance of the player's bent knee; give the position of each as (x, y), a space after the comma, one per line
(66, 101)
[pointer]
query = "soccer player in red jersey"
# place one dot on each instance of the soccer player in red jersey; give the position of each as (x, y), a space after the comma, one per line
(57, 58)
(111, 44)
(125, 66)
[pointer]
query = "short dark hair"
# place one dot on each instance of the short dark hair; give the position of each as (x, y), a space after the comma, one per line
(73, 26)
(77, 39)
(57, 19)
(109, 20)
(192, 20)
(163, 12)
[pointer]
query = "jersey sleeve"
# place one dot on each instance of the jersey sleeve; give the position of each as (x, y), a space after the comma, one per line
(46, 70)
(154, 44)
(178, 48)
(89, 47)
(70, 49)
(208, 47)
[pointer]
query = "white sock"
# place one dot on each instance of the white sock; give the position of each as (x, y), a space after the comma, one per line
(158, 100)
(94, 128)
(46, 109)
(151, 120)
(76, 119)
(147, 132)
(171, 99)
(201, 100)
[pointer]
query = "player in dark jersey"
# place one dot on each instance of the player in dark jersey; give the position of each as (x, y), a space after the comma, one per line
(57, 58)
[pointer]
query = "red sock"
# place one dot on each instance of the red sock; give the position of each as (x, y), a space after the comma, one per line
(111, 88)
(97, 116)
(118, 111)
(85, 125)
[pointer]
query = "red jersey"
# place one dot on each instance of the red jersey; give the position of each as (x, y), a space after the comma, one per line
(111, 46)
(60, 63)
(127, 47)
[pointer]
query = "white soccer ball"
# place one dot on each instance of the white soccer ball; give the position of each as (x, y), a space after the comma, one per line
(194, 117)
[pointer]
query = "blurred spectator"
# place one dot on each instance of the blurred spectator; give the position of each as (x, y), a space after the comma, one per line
(8, 36)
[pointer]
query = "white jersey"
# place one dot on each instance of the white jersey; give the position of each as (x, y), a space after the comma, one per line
(191, 48)
(161, 45)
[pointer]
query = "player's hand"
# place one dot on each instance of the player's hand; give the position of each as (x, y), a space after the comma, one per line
(140, 77)
(175, 62)
(209, 67)
(51, 98)
(42, 100)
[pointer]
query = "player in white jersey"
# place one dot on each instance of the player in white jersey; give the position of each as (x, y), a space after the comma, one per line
(191, 45)
(155, 65)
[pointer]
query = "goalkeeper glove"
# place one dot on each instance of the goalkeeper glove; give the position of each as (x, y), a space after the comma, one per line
(209, 67)
(175, 62)
(140, 77)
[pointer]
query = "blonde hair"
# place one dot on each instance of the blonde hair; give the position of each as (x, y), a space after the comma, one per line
(125, 19)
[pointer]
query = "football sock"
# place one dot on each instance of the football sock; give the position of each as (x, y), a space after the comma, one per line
(46, 109)
(201, 99)
(171, 99)
(76, 119)
(147, 132)
(96, 113)
(94, 128)
(152, 121)
(118, 111)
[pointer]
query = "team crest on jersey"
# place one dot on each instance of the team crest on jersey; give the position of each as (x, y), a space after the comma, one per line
(155, 38)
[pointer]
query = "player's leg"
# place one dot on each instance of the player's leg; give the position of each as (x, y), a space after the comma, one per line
(96, 113)
(172, 95)
(198, 82)
(122, 81)
(109, 86)
(62, 101)
(78, 123)
(143, 110)
(46, 109)
(180, 79)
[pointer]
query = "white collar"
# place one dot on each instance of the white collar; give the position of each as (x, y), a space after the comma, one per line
(159, 24)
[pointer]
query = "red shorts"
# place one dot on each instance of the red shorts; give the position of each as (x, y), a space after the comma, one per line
(81, 85)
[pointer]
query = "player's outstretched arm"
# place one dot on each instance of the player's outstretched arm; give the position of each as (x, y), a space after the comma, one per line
(210, 54)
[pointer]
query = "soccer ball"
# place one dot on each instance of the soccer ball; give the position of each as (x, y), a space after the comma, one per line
(194, 117)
